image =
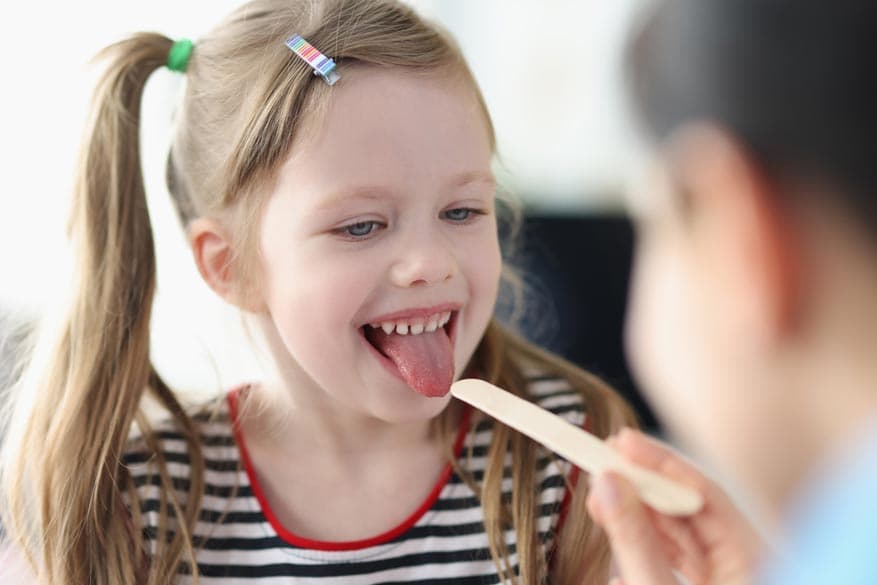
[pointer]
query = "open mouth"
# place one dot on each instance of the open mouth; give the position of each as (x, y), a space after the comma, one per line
(417, 350)
(414, 327)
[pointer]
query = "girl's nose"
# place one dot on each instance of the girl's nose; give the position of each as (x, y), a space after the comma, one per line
(423, 262)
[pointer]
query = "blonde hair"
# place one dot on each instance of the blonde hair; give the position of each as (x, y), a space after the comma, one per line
(64, 484)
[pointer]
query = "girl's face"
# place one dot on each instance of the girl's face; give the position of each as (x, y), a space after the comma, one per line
(379, 250)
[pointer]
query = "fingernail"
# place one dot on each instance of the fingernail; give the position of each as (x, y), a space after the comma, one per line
(626, 432)
(606, 491)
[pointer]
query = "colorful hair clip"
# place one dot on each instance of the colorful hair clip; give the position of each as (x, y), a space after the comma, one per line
(321, 64)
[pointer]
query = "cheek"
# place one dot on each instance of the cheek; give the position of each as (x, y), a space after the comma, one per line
(313, 299)
(491, 267)
(653, 307)
(482, 265)
(667, 338)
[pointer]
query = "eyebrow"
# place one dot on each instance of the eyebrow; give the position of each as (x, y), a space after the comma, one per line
(377, 192)
(464, 179)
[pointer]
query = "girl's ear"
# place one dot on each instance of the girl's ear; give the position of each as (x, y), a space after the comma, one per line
(214, 255)
(746, 243)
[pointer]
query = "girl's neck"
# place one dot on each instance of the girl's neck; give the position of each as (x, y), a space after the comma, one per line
(290, 411)
(334, 476)
(271, 416)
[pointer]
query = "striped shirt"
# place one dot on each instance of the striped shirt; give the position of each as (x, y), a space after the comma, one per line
(239, 540)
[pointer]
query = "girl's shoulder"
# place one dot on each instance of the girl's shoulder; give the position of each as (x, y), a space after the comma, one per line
(174, 446)
(579, 396)
(562, 387)
(190, 460)
(557, 394)
(207, 423)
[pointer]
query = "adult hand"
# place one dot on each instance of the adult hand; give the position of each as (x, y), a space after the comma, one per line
(716, 546)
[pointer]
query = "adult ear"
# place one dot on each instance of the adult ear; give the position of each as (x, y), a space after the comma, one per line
(214, 255)
(745, 237)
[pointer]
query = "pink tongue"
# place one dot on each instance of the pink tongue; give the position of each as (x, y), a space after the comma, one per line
(426, 361)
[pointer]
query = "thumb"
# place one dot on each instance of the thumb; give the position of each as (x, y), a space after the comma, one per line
(636, 545)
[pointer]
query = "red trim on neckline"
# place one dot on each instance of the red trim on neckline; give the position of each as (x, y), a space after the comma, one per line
(299, 541)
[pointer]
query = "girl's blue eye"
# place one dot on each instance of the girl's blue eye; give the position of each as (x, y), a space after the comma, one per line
(360, 229)
(459, 214)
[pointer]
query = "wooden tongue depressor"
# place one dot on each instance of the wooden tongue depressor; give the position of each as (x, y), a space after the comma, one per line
(576, 445)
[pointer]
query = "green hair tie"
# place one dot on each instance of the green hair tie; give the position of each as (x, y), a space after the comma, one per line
(178, 57)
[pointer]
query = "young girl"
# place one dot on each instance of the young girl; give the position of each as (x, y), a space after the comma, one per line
(352, 215)
(753, 323)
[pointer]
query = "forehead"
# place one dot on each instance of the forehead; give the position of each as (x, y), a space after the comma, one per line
(391, 126)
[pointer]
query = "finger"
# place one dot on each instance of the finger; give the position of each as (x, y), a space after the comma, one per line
(635, 543)
(653, 454)
(657, 456)
(683, 546)
(720, 525)
(680, 546)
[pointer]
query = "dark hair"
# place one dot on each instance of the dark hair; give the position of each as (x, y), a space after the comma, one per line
(794, 80)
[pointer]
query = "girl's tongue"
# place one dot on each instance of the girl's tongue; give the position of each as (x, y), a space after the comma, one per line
(426, 361)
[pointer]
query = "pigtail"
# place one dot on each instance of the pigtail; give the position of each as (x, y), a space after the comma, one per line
(64, 487)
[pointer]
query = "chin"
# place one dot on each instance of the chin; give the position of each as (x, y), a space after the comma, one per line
(412, 408)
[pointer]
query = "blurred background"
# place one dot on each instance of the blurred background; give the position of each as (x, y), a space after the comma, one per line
(552, 77)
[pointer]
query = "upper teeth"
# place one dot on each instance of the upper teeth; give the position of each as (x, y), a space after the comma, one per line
(414, 326)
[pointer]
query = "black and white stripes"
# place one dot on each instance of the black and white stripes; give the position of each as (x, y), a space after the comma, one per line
(443, 542)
